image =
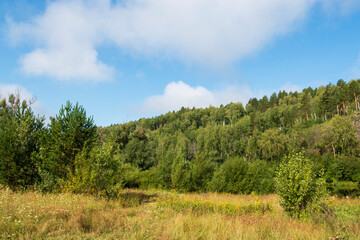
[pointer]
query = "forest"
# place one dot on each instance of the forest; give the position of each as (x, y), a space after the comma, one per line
(234, 148)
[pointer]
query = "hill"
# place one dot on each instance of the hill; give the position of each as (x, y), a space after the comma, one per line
(232, 148)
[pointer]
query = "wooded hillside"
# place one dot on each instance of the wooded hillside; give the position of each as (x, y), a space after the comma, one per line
(232, 148)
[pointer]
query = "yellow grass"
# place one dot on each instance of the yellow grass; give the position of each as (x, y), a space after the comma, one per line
(142, 215)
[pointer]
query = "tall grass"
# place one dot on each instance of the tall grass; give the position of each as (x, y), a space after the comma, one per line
(205, 206)
(163, 215)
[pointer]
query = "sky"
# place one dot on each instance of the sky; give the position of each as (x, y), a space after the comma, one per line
(127, 59)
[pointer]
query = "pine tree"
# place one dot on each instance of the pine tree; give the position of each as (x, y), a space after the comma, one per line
(67, 135)
(20, 131)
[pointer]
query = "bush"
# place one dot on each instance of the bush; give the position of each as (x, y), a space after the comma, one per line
(296, 184)
(97, 172)
(344, 188)
(232, 177)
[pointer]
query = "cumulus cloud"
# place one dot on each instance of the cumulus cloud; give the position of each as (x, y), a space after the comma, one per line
(66, 64)
(67, 35)
(207, 32)
(37, 106)
(180, 94)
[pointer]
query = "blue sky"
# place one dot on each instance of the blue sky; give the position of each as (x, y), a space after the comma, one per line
(127, 59)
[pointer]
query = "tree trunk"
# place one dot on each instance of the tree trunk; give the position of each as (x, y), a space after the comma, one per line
(356, 102)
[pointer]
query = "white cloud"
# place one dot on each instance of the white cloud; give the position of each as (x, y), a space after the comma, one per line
(207, 32)
(37, 106)
(67, 35)
(66, 64)
(179, 94)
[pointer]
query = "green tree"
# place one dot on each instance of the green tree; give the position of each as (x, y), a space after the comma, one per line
(340, 95)
(201, 171)
(261, 176)
(252, 148)
(288, 110)
(97, 172)
(232, 177)
(242, 132)
(69, 133)
(138, 151)
(305, 104)
(20, 131)
(273, 100)
(273, 144)
(209, 143)
(337, 137)
(296, 184)
(180, 168)
(353, 92)
(180, 174)
(344, 139)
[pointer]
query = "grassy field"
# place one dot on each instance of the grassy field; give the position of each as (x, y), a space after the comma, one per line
(166, 215)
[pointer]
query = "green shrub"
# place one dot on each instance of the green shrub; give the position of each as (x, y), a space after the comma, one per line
(297, 185)
(232, 177)
(97, 172)
(345, 188)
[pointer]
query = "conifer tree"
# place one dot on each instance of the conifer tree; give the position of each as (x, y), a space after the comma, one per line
(20, 131)
(67, 135)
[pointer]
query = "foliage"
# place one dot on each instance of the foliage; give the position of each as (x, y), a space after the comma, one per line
(224, 149)
(69, 133)
(20, 132)
(138, 151)
(273, 144)
(97, 172)
(297, 185)
(232, 177)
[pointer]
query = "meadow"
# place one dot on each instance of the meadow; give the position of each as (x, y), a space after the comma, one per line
(155, 214)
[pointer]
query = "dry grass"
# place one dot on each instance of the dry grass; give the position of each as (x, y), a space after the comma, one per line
(141, 215)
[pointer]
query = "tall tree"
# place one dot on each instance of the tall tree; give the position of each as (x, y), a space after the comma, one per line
(138, 150)
(354, 91)
(340, 95)
(305, 103)
(20, 131)
(273, 144)
(274, 101)
(67, 135)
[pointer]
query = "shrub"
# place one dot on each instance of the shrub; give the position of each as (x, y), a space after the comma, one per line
(232, 177)
(297, 184)
(97, 172)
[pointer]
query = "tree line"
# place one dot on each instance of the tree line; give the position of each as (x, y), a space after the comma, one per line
(232, 148)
